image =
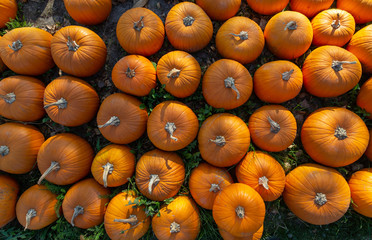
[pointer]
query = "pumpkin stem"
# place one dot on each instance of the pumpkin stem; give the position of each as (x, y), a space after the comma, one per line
(214, 188)
(108, 168)
(72, 45)
(77, 211)
(131, 73)
(132, 220)
(9, 98)
(174, 73)
(240, 212)
(230, 83)
(220, 141)
(243, 35)
(275, 127)
(264, 182)
(292, 25)
(170, 128)
(29, 215)
(16, 45)
(337, 65)
(175, 227)
(287, 75)
(336, 23)
(139, 24)
(4, 150)
(54, 166)
(154, 180)
(114, 121)
(188, 21)
(340, 133)
(61, 103)
(320, 199)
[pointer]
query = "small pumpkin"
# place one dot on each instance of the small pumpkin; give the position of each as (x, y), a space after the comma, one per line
(135, 75)
(220, 10)
(227, 236)
(360, 185)
(9, 189)
(360, 9)
(8, 9)
(316, 194)
(360, 45)
(113, 165)
(188, 27)
(180, 72)
(240, 39)
(90, 12)
(364, 98)
(310, 7)
(267, 7)
(159, 174)
(85, 203)
(368, 152)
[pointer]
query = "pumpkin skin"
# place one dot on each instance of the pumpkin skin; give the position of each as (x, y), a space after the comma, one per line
(21, 98)
(70, 101)
(368, 152)
(8, 9)
(220, 10)
(360, 9)
(2, 65)
(64, 159)
(310, 7)
(277, 81)
(361, 46)
(318, 195)
(135, 75)
(27, 50)
(240, 39)
(364, 97)
(288, 34)
(223, 139)
(188, 27)
(273, 128)
(123, 215)
(360, 185)
(113, 165)
(19, 145)
(89, 196)
(89, 12)
(219, 82)
(120, 118)
(180, 72)
(159, 174)
(335, 137)
(267, 7)
(140, 31)
(181, 216)
(330, 71)
(172, 126)
(206, 182)
(9, 189)
(227, 236)
(40, 204)
(78, 51)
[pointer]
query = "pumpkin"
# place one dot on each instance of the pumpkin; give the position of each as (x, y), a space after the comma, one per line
(223, 139)
(140, 31)
(172, 126)
(333, 27)
(288, 34)
(180, 72)
(240, 39)
(360, 185)
(361, 46)
(8, 9)
(334, 136)
(364, 98)
(316, 194)
(360, 9)
(125, 220)
(227, 84)
(27, 50)
(85, 203)
(220, 10)
(19, 145)
(330, 71)
(37, 208)
(273, 128)
(135, 75)
(239, 210)
(310, 7)
(227, 236)
(188, 27)
(206, 182)
(78, 51)
(9, 189)
(159, 174)
(64, 159)
(368, 152)
(263, 173)
(2, 65)
(277, 81)
(89, 12)
(113, 165)
(267, 7)
(121, 119)
(21, 98)
(177, 221)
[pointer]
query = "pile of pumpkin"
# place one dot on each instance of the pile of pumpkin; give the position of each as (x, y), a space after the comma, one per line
(333, 137)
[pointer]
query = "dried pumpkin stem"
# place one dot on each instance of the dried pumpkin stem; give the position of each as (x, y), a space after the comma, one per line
(132, 220)
(337, 65)
(61, 104)
(131, 73)
(9, 98)
(219, 141)
(292, 25)
(54, 166)
(275, 127)
(108, 168)
(264, 182)
(174, 73)
(113, 121)
(139, 24)
(72, 45)
(154, 180)
(240, 212)
(77, 211)
(214, 188)
(175, 227)
(16, 45)
(188, 21)
(29, 215)
(243, 35)
(336, 23)
(287, 75)
(4, 150)
(340, 133)
(230, 83)
(170, 128)
(320, 199)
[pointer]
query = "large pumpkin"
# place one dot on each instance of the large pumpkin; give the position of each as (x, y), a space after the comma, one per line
(88, 12)
(361, 46)
(227, 236)
(220, 10)
(267, 7)
(360, 185)
(368, 152)
(360, 9)
(310, 7)
(9, 189)
(8, 9)
(364, 98)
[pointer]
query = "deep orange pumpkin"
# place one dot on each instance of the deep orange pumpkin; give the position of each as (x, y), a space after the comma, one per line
(360, 9)
(227, 236)
(8, 9)
(310, 7)
(364, 98)
(368, 152)
(2, 65)
(267, 7)
(220, 10)
(360, 185)
(9, 189)
(360, 45)
(88, 12)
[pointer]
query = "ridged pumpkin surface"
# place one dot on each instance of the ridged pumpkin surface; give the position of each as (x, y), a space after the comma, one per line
(227, 236)
(89, 12)
(9, 189)
(361, 46)
(360, 185)
(267, 7)
(220, 10)
(364, 98)
(368, 152)
(360, 9)
(8, 9)
(310, 7)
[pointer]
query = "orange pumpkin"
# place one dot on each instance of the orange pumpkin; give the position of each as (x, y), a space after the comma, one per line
(334, 136)
(159, 174)
(240, 39)
(70, 101)
(310, 7)
(206, 182)
(120, 118)
(113, 165)
(78, 51)
(177, 221)
(188, 27)
(360, 45)
(85, 204)
(27, 50)
(140, 31)
(90, 12)
(135, 75)
(21, 98)
(64, 159)
(318, 195)
(172, 126)
(125, 220)
(227, 84)
(2, 65)
(360, 185)
(223, 139)
(19, 145)
(180, 72)
(9, 189)
(368, 152)
(364, 98)
(360, 9)
(220, 10)
(288, 34)
(273, 128)
(227, 236)
(267, 7)
(8, 9)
